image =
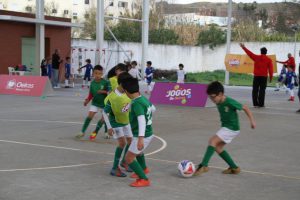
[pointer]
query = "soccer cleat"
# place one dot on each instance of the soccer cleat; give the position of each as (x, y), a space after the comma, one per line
(134, 175)
(201, 170)
(298, 111)
(126, 166)
(117, 172)
(80, 135)
(276, 90)
(232, 171)
(140, 183)
(93, 136)
(291, 99)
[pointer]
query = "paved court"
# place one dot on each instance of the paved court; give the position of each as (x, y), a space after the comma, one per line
(41, 160)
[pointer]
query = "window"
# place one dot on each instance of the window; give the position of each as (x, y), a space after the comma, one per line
(54, 10)
(66, 12)
(86, 16)
(28, 9)
(122, 4)
(111, 3)
(86, 1)
(74, 14)
(75, 2)
(74, 17)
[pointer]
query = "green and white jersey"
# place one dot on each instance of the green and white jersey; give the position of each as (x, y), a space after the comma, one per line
(117, 106)
(140, 106)
(228, 113)
(98, 99)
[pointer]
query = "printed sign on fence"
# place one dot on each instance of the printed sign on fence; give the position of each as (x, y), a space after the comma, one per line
(238, 63)
(24, 85)
(188, 94)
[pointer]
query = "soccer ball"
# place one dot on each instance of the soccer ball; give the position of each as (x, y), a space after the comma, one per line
(186, 168)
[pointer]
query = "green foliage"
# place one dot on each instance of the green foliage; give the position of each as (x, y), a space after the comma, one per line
(212, 37)
(163, 36)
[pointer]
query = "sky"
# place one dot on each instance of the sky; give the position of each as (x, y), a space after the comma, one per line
(236, 1)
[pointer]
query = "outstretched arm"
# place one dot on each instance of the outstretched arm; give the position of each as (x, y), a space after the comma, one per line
(248, 52)
(250, 116)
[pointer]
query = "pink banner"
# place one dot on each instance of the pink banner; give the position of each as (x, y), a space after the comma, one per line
(23, 85)
(188, 94)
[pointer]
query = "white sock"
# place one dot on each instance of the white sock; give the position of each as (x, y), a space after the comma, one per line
(291, 93)
(83, 82)
(89, 83)
(277, 85)
(149, 88)
(66, 82)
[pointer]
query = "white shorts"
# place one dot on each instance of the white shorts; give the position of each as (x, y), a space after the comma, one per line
(122, 131)
(227, 135)
(95, 109)
(133, 146)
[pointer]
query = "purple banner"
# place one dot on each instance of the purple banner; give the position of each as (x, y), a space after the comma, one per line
(188, 94)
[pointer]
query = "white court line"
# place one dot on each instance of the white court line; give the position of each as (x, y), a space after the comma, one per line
(45, 168)
(164, 145)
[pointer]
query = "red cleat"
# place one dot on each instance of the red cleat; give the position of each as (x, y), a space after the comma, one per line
(134, 175)
(140, 183)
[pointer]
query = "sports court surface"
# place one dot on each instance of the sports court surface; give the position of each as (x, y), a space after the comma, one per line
(41, 160)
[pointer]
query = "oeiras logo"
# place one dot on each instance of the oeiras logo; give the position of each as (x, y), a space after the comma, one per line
(12, 84)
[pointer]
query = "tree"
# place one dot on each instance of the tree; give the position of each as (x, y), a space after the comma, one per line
(212, 37)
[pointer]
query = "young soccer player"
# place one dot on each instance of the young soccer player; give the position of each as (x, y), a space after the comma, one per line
(180, 74)
(149, 76)
(291, 78)
(134, 71)
(116, 116)
(98, 92)
(227, 108)
(87, 75)
(140, 116)
(67, 72)
(120, 68)
(281, 78)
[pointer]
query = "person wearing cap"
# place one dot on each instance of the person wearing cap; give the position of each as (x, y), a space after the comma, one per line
(262, 67)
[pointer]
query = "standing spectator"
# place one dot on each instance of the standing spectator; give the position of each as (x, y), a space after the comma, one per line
(180, 74)
(134, 71)
(44, 67)
(289, 62)
(67, 72)
(262, 66)
(49, 68)
(55, 68)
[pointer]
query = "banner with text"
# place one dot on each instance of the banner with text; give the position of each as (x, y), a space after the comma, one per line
(238, 63)
(188, 94)
(25, 85)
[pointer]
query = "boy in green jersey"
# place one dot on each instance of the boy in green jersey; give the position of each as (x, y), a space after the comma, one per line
(99, 89)
(116, 116)
(227, 108)
(120, 68)
(140, 117)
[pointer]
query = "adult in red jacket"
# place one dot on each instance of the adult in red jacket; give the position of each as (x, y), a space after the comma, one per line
(262, 66)
(289, 62)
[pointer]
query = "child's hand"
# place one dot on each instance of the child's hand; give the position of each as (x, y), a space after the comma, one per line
(110, 132)
(86, 101)
(102, 92)
(140, 144)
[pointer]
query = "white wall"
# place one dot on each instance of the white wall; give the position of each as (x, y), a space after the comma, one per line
(195, 59)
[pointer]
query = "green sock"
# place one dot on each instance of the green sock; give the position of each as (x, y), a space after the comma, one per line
(117, 157)
(141, 161)
(207, 156)
(125, 151)
(135, 166)
(98, 127)
(85, 124)
(105, 128)
(226, 157)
